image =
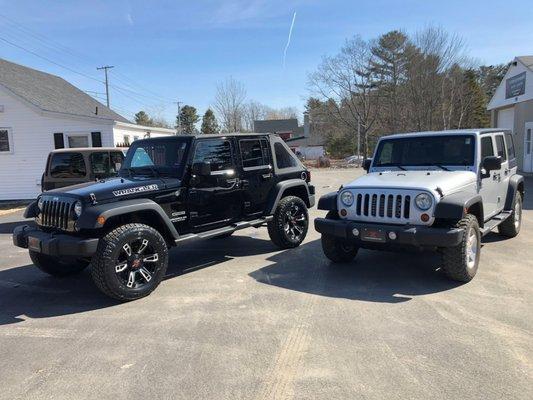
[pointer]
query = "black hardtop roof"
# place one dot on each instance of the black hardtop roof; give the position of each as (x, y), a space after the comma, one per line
(204, 136)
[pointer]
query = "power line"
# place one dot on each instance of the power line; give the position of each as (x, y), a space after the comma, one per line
(50, 61)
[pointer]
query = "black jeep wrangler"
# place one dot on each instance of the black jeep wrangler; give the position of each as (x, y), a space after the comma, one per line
(169, 190)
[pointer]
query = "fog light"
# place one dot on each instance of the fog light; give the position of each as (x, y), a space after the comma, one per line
(343, 212)
(355, 232)
(424, 217)
(392, 235)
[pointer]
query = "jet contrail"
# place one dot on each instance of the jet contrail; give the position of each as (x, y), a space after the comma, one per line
(288, 39)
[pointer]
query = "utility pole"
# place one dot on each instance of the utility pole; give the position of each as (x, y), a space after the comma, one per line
(105, 68)
(179, 116)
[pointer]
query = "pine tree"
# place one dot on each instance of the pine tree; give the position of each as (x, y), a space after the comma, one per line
(209, 123)
(141, 118)
(187, 119)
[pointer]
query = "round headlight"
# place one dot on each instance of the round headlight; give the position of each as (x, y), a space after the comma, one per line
(347, 198)
(40, 203)
(78, 208)
(423, 201)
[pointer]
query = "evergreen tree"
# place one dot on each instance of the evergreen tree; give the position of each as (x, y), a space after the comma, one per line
(187, 120)
(141, 118)
(209, 123)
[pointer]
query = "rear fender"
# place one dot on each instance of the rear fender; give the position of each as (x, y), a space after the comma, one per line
(516, 182)
(297, 186)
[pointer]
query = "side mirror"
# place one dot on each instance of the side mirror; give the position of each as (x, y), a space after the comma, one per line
(201, 169)
(118, 166)
(491, 163)
(367, 163)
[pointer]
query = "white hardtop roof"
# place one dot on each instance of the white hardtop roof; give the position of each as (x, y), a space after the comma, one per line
(448, 132)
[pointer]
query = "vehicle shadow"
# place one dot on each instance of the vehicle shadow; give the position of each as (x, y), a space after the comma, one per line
(27, 292)
(373, 276)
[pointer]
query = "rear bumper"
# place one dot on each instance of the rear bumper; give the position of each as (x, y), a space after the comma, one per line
(53, 244)
(418, 236)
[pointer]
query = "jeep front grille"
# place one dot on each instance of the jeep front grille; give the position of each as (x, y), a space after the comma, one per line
(394, 206)
(57, 213)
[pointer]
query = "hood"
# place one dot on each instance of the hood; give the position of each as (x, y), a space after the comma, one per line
(447, 181)
(117, 188)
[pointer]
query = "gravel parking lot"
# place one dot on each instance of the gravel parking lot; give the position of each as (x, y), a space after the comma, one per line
(237, 319)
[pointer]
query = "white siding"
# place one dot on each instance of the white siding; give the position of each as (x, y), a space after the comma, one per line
(32, 134)
(121, 130)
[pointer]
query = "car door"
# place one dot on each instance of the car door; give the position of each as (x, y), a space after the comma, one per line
(214, 200)
(504, 174)
(256, 173)
(488, 185)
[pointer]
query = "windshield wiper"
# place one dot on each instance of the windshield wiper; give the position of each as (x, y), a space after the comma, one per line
(441, 167)
(154, 171)
(392, 165)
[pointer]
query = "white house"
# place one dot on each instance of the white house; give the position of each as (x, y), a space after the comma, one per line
(512, 108)
(40, 112)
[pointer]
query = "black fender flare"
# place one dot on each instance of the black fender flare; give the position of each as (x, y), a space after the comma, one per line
(32, 210)
(515, 182)
(88, 219)
(328, 202)
(276, 194)
(455, 207)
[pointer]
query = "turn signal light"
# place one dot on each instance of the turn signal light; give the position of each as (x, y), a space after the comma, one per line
(100, 220)
(424, 217)
(344, 212)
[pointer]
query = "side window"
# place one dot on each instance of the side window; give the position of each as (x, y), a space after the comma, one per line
(486, 147)
(283, 158)
(510, 145)
(216, 152)
(500, 146)
(253, 154)
(100, 163)
(67, 165)
(116, 158)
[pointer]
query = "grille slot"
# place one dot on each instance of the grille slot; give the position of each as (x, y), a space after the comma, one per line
(57, 213)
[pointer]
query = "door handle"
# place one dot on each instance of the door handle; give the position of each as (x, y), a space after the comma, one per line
(266, 176)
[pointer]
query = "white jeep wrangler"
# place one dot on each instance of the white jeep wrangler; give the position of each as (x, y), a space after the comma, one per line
(437, 190)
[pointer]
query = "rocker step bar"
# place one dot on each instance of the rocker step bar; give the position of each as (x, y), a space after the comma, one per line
(224, 230)
(494, 222)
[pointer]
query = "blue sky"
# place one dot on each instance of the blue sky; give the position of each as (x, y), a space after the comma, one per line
(178, 50)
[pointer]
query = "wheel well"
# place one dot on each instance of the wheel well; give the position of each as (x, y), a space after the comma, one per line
(298, 191)
(476, 210)
(521, 188)
(147, 217)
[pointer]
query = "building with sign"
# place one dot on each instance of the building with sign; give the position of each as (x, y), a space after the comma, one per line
(511, 108)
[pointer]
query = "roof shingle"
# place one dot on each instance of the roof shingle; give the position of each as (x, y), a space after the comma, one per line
(52, 93)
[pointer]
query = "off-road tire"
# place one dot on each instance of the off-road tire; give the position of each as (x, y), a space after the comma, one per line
(57, 266)
(511, 226)
(103, 262)
(337, 250)
(455, 259)
(276, 226)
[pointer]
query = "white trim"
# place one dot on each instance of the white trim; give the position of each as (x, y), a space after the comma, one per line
(145, 129)
(9, 140)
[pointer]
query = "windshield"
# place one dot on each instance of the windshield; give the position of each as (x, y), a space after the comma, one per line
(452, 150)
(161, 157)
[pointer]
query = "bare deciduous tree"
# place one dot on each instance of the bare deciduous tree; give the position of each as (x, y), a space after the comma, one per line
(253, 111)
(229, 104)
(347, 83)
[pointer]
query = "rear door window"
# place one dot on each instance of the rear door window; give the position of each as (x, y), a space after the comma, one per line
(68, 165)
(253, 153)
(510, 145)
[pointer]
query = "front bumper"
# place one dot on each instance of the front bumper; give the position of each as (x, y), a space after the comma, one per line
(53, 244)
(418, 236)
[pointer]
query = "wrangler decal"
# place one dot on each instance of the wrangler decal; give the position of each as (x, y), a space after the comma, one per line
(140, 189)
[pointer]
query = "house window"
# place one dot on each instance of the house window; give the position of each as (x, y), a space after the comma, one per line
(59, 141)
(75, 141)
(5, 141)
(96, 138)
